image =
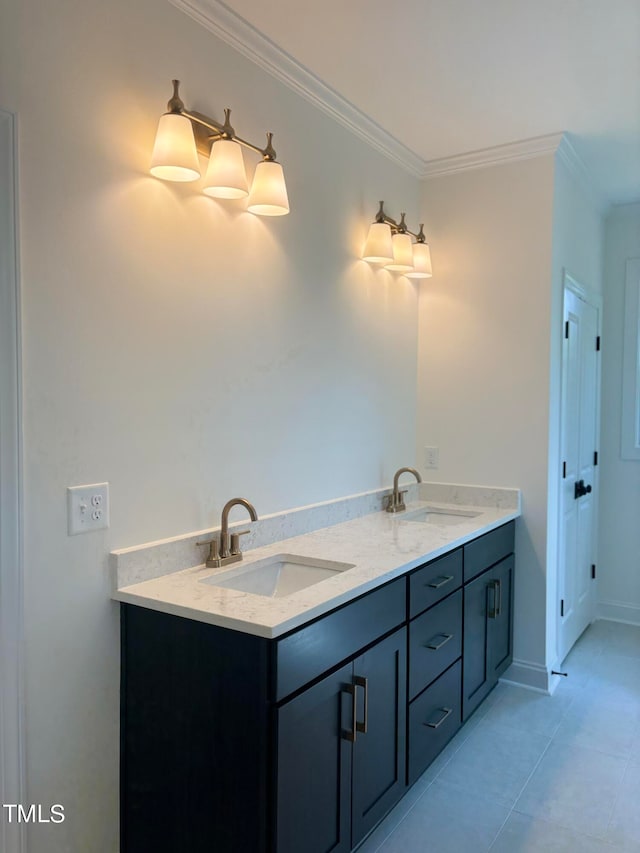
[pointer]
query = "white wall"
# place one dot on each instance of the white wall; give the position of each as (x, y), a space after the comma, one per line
(490, 354)
(619, 536)
(483, 374)
(179, 348)
(578, 238)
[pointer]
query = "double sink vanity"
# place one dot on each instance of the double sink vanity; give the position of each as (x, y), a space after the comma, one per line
(287, 702)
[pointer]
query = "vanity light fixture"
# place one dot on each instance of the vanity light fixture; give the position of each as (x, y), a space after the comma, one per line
(389, 243)
(182, 133)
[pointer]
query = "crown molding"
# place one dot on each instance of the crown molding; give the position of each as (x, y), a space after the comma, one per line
(497, 155)
(231, 28)
(557, 144)
(251, 43)
(569, 157)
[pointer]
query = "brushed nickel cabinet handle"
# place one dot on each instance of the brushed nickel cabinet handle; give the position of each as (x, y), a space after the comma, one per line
(492, 612)
(446, 712)
(351, 735)
(435, 646)
(361, 681)
(444, 579)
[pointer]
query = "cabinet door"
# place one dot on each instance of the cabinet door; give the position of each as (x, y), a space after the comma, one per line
(488, 632)
(500, 623)
(477, 677)
(314, 750)
(379, 753)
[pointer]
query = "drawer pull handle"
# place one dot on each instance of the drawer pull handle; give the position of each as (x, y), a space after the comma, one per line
(446, 712)
(351, 735)
(443, 581)
(435, 646)
(493, 612)
(361, 681)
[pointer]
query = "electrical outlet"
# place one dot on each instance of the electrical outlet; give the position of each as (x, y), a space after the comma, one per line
(431, 457)
(87, 508)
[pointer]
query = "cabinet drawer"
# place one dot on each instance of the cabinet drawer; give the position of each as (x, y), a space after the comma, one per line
(435, 641)
(434, 717)
(488, 549)
(305, 654)
(432, 582)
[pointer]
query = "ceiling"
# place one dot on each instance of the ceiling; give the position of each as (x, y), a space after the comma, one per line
(447, 77)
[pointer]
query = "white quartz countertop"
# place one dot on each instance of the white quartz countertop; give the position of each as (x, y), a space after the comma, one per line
(380, 545)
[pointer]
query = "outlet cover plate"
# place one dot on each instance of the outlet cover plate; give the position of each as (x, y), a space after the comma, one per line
(431, 457)
(87, 508)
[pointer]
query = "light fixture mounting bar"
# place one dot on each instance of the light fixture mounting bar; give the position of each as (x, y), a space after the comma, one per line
(201, 121)
(399, 227)
(209, 124)
(396, 230)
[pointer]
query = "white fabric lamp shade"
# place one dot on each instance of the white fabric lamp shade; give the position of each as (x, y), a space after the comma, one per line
(378, 248)
(226, 176)
(174, 155)
(421, 261)
(268, 195)
(402, 254)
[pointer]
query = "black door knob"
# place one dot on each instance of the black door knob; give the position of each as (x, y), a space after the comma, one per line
(580, 490)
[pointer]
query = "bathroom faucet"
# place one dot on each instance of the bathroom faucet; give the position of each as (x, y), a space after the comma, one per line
(396, 499)
(226, 549)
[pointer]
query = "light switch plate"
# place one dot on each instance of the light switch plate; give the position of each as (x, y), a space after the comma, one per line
(87, 508)
(431, 457)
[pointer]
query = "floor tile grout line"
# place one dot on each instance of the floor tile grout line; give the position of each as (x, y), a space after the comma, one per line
(457, 749)
(627, 759)
(502, 826)
(478, 719)
(437, 775)
(617, 797)
(528, 779)
(513, 805)
(556, 823)
(573, 703)
(522, 729)
(404, 816)
(562, 717)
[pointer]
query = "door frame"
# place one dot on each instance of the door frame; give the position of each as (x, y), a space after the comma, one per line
(571, 283)
(12, 763)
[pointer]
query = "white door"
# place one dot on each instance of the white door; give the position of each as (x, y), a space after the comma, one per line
(579, 437)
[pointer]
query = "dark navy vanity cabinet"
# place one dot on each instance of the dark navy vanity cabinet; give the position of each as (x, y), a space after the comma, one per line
(241, 744)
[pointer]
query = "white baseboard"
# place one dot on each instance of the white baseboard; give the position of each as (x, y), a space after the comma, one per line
(533, 676)
(619, 611)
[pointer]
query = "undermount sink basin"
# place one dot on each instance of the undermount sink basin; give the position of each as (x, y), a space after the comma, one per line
(277, 576)
(435, 515)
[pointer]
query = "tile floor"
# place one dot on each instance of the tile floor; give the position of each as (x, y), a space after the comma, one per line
(533, 773)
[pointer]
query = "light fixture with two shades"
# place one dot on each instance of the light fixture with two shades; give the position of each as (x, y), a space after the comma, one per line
(182, 133)
(390, 244)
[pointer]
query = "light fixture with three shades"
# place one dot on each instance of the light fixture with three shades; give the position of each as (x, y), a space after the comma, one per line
(390, 244)
(182, 133)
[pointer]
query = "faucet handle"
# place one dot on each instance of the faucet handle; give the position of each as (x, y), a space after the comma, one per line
(396, 504)
(235, 541)
(214, 545)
